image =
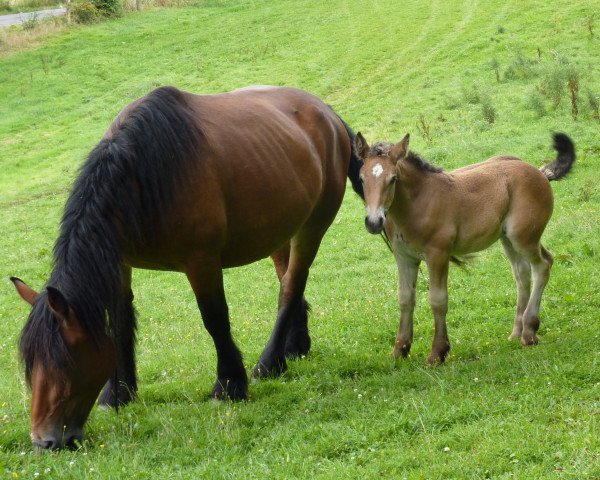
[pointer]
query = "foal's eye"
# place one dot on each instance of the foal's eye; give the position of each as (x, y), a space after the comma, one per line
(393, 179)
(362, 179)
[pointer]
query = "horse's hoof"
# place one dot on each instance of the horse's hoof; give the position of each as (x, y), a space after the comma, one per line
(265, 369)
(528, 340)
(297, 346)
(514, 336)
(229, 389)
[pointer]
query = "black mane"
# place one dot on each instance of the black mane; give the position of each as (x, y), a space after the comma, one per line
(383, 149)
(129, 179)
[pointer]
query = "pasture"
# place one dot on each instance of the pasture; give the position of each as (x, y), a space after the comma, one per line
(468, 80)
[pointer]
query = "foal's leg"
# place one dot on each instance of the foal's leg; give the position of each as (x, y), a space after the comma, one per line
(541, 262)
(207, 283)
(437, 264)
(297, 341)
(522, 272)
(291, 297)
(125, 326)
(407, 282)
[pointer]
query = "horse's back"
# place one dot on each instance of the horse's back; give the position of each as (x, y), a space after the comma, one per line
(270, 158)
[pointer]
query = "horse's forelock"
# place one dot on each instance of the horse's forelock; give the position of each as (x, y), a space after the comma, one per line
(41, 340)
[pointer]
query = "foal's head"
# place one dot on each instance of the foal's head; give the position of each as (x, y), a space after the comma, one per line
(64, 366)
(379, 176)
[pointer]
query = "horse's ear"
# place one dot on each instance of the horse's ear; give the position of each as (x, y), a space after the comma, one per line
(25, 291)
(400, 150)
(362, 147)
(58, 303)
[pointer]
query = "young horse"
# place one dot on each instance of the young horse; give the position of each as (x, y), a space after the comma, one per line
(187, 183)
(436, 216)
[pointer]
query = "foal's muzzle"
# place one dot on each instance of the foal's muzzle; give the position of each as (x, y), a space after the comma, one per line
(374, 221)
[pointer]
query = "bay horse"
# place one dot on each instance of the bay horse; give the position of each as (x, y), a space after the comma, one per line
(436, 216)
(193, 184)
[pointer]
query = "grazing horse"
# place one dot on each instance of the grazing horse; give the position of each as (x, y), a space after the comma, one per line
(193, 184)
(432, 215)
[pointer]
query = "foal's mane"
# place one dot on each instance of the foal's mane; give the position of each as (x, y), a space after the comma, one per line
(383, 149)
(129, 179)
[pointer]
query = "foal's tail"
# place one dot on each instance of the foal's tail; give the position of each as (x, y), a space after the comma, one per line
(565, 158)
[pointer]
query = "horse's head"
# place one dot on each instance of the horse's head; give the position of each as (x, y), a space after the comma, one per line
(379, 176)
(64, 366)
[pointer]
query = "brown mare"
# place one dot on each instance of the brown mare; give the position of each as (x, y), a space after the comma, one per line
(187, 183)
(435, 216)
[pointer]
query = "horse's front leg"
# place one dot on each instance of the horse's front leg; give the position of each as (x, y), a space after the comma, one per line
(437, 264)
(408, 269)
(207, 282)
(121, 388)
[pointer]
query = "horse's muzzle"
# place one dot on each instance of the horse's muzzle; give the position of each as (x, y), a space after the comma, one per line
(71, 441)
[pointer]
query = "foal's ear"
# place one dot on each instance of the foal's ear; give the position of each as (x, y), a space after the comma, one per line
(58, 303)
(25, 291)
(400, 150)
(362, 147)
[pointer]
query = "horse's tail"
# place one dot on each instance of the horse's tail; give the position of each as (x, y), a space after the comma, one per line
(565, 158)
(355, 163)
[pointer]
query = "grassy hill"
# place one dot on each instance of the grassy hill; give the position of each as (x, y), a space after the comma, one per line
(467, 80)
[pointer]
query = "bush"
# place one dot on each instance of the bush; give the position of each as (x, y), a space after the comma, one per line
(31, 22)
(84, 12)
(108, 8)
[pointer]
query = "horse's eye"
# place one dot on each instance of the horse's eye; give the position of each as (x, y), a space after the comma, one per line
(362, 179)
(394, 179)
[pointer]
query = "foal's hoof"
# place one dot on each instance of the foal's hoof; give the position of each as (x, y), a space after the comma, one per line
(230, 389)
(436, 358)
(401, 349)
(269, 368)
(529, 339)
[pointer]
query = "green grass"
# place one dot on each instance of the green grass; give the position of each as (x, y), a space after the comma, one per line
(348, 410)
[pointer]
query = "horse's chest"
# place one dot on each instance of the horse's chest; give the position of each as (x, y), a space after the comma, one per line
(402, 244)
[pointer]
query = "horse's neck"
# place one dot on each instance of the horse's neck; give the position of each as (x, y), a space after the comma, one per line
(410, 182)
(415, 189)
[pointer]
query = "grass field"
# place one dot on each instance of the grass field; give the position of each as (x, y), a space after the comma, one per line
(494, 410)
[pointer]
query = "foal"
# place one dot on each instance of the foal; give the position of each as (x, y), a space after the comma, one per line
(432, 215)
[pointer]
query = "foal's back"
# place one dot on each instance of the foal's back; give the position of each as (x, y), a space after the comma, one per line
(498, 196)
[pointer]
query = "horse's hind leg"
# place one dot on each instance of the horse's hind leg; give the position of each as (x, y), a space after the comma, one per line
(541, 262)
(207, 283)
(125, 326)
(297, 341)
(304, 248)
(522, 273)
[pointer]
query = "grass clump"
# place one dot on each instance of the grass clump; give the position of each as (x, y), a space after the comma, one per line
(593, 103)
(536, 103)
(520, 67)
